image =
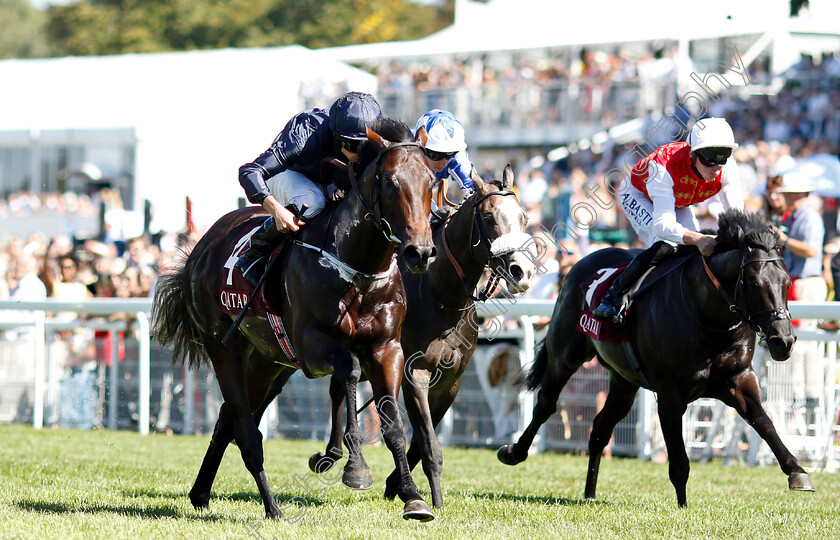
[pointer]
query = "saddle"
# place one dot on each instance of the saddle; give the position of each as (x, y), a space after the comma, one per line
(236, 294)
(594, 289)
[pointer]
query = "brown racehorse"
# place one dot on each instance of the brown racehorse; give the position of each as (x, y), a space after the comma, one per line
(340, 294)
(441, 330)
(690, 339)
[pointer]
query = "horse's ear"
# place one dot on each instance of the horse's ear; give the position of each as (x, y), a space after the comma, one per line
(421, 136)
(477, 181)
(507, 177)
(376, 140)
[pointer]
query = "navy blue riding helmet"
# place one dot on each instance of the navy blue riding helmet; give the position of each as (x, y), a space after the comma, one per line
(351, 113)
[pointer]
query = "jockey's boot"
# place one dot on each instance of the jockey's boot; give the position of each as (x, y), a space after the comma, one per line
(252, 263)
(613, 306)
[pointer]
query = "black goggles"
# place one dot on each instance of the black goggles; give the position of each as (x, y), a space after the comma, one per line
(713, 157)
(438, 156)
(351, 145)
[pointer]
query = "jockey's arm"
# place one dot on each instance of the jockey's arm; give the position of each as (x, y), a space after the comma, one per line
(661, 190)
(731, 194)
(460, 168)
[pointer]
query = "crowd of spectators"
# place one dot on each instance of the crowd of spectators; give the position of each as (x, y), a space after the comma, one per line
(567, 200)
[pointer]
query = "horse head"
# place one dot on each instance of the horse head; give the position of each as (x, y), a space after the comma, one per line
(761, 288)
(401, 189)
(500, 221)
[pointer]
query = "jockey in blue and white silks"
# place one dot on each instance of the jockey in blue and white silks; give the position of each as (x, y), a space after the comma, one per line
(446, 149)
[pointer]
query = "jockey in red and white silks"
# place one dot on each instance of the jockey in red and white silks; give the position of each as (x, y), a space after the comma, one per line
(657, 196)
(658, 193)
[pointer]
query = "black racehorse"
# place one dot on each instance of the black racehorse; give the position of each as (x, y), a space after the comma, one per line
(691, 334)
(338, 296)
(440, 331)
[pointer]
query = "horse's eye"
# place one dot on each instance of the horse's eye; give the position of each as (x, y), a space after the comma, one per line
(489, 220)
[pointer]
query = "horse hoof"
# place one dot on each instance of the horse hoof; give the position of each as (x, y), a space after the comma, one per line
(418, 509)
(274, 514)
(320, 463)
(800, 481)
(357, 479)
(200, 501)
(391, 489)
(505, 455)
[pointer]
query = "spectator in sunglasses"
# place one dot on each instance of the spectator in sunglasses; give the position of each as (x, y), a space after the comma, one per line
(658, 194)
(446, 149)
(289, 172)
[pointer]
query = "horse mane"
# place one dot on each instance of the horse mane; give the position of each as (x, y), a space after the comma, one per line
(389, 129)
(737, 229)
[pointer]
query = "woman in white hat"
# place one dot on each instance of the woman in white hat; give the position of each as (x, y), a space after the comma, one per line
(658, 194)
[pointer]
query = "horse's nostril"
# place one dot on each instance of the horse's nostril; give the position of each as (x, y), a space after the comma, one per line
(516, 272)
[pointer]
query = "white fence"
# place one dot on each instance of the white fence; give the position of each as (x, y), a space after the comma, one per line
(136, 386)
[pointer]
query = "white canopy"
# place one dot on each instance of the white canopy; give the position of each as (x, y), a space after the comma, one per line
(198, 115)
(499, 25)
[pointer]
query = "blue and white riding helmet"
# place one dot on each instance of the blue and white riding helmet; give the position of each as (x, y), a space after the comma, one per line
(445, 132)
(351, 113)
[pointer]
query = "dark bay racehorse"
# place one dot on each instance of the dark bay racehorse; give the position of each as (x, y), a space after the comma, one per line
(340, 294)
(690, 341)
(440, 329)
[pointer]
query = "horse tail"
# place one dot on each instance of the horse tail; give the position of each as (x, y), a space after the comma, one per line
(171, 320)
(535, 375)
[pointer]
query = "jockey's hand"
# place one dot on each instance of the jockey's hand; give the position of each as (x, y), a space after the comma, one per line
(704, 242)
(284, 219)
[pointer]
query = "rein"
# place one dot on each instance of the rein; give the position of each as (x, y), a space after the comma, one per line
(490, 288)
(747, 315)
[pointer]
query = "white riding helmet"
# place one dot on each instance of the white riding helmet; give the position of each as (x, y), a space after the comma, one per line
(445, 131)
(712, 133)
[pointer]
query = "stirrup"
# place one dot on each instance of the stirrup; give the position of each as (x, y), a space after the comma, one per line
(620, 314)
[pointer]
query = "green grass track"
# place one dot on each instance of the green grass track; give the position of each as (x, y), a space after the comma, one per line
(67, 484)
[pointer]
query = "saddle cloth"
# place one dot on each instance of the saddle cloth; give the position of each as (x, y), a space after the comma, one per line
(235, 291)
(594, 289)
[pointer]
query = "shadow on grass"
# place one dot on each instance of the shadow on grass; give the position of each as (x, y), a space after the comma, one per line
(123, 510)
(535, 499)
(171, 511)
(239, 496)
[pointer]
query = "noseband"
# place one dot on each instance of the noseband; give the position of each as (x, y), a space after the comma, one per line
(780, 313)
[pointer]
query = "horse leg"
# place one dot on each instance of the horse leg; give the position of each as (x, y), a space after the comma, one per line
(424, 442)
(573, 353)
(232, 375)
(746, 399)
(671, 410)
(322, 462)
(385, 378)
(222, 436)
(620, 400)
(356, 473)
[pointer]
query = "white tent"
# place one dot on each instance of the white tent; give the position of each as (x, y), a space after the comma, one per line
(507, 25)
(197, 115)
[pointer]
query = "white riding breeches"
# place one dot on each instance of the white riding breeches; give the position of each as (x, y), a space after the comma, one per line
(292, 187)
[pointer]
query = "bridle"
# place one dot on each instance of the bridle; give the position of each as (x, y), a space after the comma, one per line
(381, 223)
(746, 313)
(370, 215)
(483, 239)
